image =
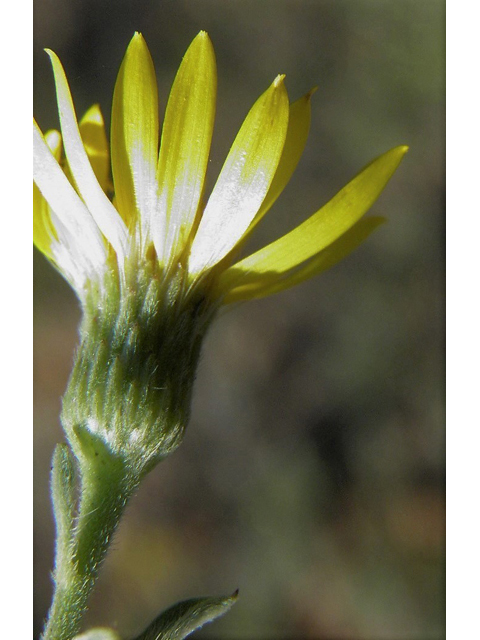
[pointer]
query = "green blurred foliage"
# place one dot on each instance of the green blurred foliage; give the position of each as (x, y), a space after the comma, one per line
(312, 473)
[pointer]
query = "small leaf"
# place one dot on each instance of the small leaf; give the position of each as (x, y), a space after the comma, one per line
(98, 633)
(186, 617)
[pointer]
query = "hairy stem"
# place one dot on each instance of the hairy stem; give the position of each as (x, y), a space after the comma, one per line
(105, 491)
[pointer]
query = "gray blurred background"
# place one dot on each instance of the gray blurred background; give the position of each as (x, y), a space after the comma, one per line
(312, 473)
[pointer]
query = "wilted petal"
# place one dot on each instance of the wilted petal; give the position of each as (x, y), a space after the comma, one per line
(244, 180)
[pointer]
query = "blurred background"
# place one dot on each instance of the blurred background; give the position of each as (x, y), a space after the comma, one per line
(312, 473)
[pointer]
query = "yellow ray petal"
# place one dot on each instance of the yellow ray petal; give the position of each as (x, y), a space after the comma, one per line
(295, 141)
(103, 211)
(321, 229)
(244, 180)
(325, 259)
(43, 229)
(134, 134)
(185, 147)
(92, 130)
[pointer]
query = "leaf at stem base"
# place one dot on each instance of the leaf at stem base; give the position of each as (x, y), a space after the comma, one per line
(185, 617)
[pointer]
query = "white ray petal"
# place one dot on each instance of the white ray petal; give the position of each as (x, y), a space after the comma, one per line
(66, 204)
(244, 179)
(105, 214)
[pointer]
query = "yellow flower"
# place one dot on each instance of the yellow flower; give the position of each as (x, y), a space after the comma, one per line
(151, 259)
(154, 211)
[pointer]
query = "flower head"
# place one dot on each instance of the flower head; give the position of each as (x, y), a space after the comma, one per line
(151, 256)
(154, 209)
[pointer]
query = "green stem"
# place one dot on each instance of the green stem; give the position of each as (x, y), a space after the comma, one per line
(105, 491)
(125, 408)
